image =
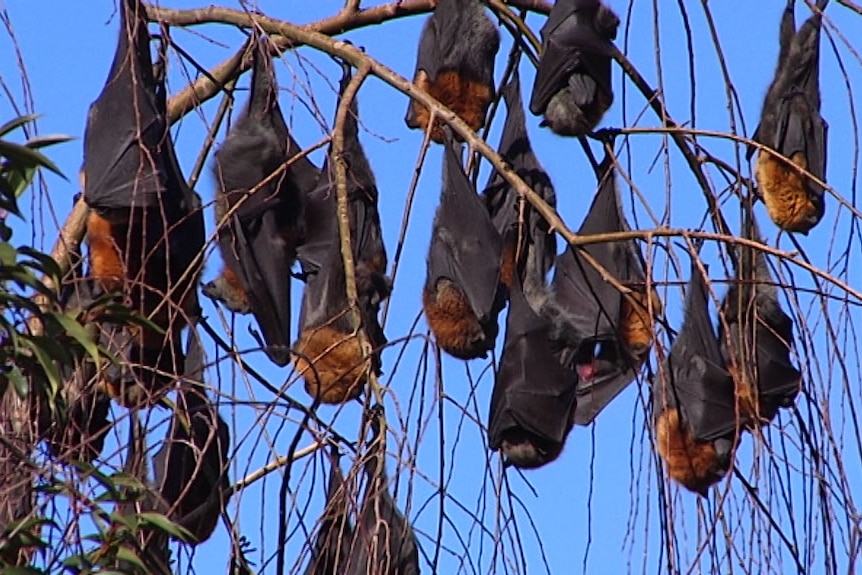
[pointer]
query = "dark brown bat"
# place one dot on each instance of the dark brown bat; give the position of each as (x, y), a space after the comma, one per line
(463, 295)
(455, 64)
(191, 466)
(258, 243)
(327, 355)
(145, 226)
(573, 88)
(533, 402)
(331, 550)
(384, 542)
(758, 351)
(525, 235)
(790, 124)
(694, 403)
(591, 321)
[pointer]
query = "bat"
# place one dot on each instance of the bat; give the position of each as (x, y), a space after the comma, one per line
(533, 402)
(528, 235)
(191, 465)
(332, 546)
(258, 244)
(145, 226)
(791, 125)
(463, 295)
(572, 90)
(455, 64)
(326, 353)
(590, 319)
(757, 350)
(384, 538)
(694, 403)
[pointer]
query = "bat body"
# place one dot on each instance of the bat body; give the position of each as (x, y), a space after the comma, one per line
(455, 64)
(594, 323)
(573, 83)
(145, 227)
(191, 466)
(791, 125)
(695, 412)
(258, 242)
(527, 240)
(384, 542)
(463, 295)
(331, 550)
(328, 356)
(758, 350)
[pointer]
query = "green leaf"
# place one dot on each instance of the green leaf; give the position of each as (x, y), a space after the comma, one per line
(18, 122)
(47, 140)
(77, 331)
(19, 382)
(23, 157)
(8, 254)
(162, 523)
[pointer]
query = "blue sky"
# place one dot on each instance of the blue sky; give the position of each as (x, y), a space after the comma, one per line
(600, 507)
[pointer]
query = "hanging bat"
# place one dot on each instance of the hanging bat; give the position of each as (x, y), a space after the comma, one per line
(384, 538)
(758, 349)
(145, 227)
(694, 404)
(191, 465)
(463, 295)
(258, 244)
(522, 236)
(591, 321)
(455, 64)
(327, 355)
(533, 402)
(331, 550)
(573, 88)
(791, 125)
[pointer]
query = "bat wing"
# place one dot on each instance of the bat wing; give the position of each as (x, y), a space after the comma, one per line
(384, 538)
(123, 163)
(465, 247)
(594, 395)
(428, 58)
(332, 544)
(571, 44)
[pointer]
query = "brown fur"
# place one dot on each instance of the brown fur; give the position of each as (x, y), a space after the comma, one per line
(227, 289)
(509, 260)
(106, 262)
(338, 372)
(784, 192)
(691, 463)
(467, 98)
(636, 327)
(453, 322)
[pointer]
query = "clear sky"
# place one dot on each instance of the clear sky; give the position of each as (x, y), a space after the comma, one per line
(600, 508)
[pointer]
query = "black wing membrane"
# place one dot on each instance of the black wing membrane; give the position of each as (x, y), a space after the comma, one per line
(328, 356)
(455, 64)
(761, 334)
(791, 124)
(462, 296)
(191, 466)
(528, 241)
(533, 402)
(259, 242)
(696, 416)
(573, 89)
(331, 550)
(384, 542)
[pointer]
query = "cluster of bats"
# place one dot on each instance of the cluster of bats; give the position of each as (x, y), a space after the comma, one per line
(571, 344)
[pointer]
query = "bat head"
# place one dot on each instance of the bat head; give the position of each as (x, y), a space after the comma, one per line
(606, 22)
(525, 450)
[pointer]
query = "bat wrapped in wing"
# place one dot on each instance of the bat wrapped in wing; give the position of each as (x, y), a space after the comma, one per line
(791, 125)
(693, 402)
(525, 235)
(463, 295)
(758, 349)
(455, 64)
(192, 464)
(384, 542)
(328, 355)
(145, 228)
(258, 242)
(331, 551)
(572, 90)
(605, 337)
